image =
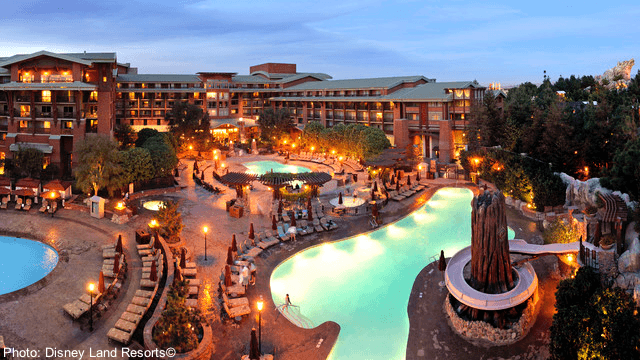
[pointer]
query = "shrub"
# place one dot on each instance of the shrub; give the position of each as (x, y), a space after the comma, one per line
(179, 325)
(559, 232)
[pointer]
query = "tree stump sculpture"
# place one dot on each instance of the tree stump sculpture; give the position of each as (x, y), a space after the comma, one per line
(490, 263)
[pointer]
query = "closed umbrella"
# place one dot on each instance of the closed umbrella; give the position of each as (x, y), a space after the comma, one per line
(183, 257)
(280, 207)
(119, 244)
(229, 256)
(442, 263)
(374, 210)
(227, 276)
(252, 234)
(392, 181)
(340, 199)
(309, 213)
(274, 223)
(116, 264)
(254, 351)
(418, 176)
(309, 202)
(101, 287)
(408, 180)
(234, 244)
(156, 243)
(153, 275)
(373, 195)
(398, 185)
(293, 220)
(375, 186)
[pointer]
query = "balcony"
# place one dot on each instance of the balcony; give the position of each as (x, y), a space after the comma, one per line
(92, 128)
(68, 115)
(43, 130)
(66, 131)
(26, 130)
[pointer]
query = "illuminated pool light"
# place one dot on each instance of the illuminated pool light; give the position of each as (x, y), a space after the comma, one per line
(153, 205)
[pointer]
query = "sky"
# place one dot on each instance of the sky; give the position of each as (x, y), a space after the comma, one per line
(509, 42)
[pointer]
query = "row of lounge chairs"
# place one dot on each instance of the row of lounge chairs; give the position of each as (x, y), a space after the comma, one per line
(319, 159)
(130, 319)
(406, 191)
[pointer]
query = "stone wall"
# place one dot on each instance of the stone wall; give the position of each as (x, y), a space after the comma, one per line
(481, 333)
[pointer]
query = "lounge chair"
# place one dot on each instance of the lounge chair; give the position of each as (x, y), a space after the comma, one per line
(27, 206)
(120, 336)
(5, 202)
(239, 311)
(43, 208)
(316, 225)
(53, 208)
(19, 204)
(283, 236)
(235, 302)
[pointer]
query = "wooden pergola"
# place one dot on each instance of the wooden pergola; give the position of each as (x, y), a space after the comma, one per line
(237, 180)
(275, 180)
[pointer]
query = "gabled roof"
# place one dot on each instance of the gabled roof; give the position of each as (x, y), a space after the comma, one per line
(366, 83)
(258, 77)
(18, 58)
(100, 57)
(185, 78)
(76, 85)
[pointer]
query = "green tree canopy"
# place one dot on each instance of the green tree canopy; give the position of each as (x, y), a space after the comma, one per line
(177, 326)
(163, 155)
(624, 175)
(125, 135)
(274, 123)
(137, 165)
(98, 164)
(190, 126)
(170, 221)
(144, 135)
(26, 162)
(354, 140)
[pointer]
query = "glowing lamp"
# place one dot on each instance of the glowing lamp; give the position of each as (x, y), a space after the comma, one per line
(293, 145)
(340, 158)
(570, 257)
(120, 205)
(312, 148)
(205, 229)
(153, 223)
(190, 147)
(92, 287)
(333, 151)
(260, 305)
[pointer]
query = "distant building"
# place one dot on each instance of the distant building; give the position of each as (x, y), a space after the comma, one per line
(50, 101)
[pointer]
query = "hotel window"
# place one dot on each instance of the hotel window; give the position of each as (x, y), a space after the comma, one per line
(413, 117)
(25, 110)
(435, 116)
(212, 95)
(23, 124)
(46, 110)
(145, 103)
(196, 95)
(158, 122)
(46, 96)
(2, 163)
(379, 116)
(93, 96)
(26, 77)
(68, 111)
(213, 112)
(132, 96)
(133, 113)
(104, 79)
(46, 125)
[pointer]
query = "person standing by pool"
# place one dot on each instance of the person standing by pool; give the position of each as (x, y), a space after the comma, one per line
(287, 301)
(245, 276)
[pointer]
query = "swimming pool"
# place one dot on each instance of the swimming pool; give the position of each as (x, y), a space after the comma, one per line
(263, 167)
(153, 205)
(24, 262)
(363, 282)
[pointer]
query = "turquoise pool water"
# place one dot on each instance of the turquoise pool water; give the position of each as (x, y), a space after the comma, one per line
(363, 282)
(263, 167)
(23, 262)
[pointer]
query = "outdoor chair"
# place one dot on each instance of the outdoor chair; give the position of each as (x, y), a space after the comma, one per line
(282, 234)
(53, 208)
(19, 204)
(5, 202)
(43, 208)
(27, 206)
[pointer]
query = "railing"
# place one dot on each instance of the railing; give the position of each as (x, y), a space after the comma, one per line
(68, 115)
(26, 130)
(66, 131)
(589, 257)
(42, 130)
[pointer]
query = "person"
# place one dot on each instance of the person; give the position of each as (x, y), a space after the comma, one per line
(287, 301)
(292, 231)
(253, 270)
(244, 276)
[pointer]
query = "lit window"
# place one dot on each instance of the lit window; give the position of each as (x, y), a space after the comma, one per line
(93, 96)
(104, 79)
(212, 95)
(46, 96)
(47, 125)
(1, 163)
(196, 95)
(25, 111)
(132, 96)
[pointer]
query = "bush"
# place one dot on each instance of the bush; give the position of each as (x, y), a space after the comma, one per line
(170, 221)
(559, 232)
(179, 325)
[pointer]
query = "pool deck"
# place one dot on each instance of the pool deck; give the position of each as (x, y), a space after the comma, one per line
(33, 317)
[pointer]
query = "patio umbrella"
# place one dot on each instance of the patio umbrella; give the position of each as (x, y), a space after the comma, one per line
(177, 275)
(368, 176)
(153, 275)
(399, 175)
(156, 243)
(418, 176)
(274, 223)
(309, 214)
(229, 256)
(293, 220)
(119, 244)
(340, 199)
(409, 180)
(309, 202)
(375, 186)
(49, 195)
(116, 264)
(280, 207)
(398, 185)
(252, 234)
(234, 244)
(227, 276)
(392, 181)
(373, 195)
(442, 264)
(202, 175)
(254, 351)
(183, 257)
(101, 283)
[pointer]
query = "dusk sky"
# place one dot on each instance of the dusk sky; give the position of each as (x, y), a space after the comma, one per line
(499, 41)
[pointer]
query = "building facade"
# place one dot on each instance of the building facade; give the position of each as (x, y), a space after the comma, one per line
(50, 101)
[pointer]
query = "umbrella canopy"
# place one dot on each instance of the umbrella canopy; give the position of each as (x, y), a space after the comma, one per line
(234, 243)
(156, 243)
(293, 219)
(418, 176)
(399, 175)
(408, 180)
(375, 186)
(227, 276)
(4, 191)
(274, 223)
(116, 263)
(101, 287)
(24, 192)
(183, 257)
(153, 275)
(442, 263)
(254, 349)
(340, 199)
(229, 256)
(252, 234)
(119, 244)
(392, 181)
(398, 185)
(50, 195)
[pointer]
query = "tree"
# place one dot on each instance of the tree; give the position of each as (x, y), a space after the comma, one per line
(190, 126)
(492, 126)
(624, 175)
(137, 165)
(125, 135)
(163, 154)
(26, 162)
(592, 322)
(98, 164)
(274, 123)
(559, 232)
(177, 326)
(170, 221)
(144, 135)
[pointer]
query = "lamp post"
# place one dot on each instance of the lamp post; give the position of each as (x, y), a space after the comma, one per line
(92, 287)
(260, 306)
(205, 229)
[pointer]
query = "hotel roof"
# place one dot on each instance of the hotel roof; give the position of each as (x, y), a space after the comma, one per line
(276, 78)
(366, 83)
(82, 58)
(158, 78)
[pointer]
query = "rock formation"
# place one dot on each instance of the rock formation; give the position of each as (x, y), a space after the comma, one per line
(490, 263)
(618, 76)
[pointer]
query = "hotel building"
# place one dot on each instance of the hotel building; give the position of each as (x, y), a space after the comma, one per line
(50, 101)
